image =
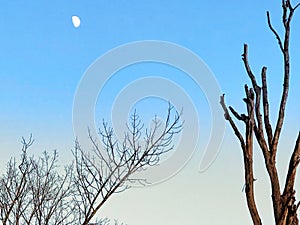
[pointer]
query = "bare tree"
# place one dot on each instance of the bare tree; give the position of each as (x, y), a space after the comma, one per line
(35, 192)
(258, 126)
(108, 169)
(13, 187)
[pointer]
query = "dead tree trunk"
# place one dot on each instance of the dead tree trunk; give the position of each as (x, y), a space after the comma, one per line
(257, 124)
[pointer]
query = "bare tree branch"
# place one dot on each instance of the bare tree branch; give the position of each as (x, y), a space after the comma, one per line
(107, 170)
(287, 17)
(268, 127)
(274, 32)
(234, 127)
(291, 176)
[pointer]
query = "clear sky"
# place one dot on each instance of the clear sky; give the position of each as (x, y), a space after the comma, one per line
(43, 58)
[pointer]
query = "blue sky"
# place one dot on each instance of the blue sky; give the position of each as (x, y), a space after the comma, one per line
(43, 58)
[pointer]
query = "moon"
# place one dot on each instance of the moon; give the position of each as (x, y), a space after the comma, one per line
(76, 21)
